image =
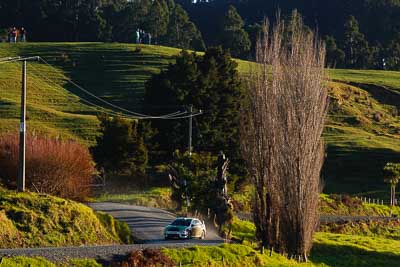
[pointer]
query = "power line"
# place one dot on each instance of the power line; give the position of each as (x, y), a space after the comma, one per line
(110, 104)
(172, 116)
(131, 115)
(90, 104)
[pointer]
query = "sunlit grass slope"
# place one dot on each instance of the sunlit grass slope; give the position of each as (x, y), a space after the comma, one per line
(114, 72)
(362, 133)
(329, 250)
(33, 220)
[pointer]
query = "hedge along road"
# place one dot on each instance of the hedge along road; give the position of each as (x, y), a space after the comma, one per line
(147, 225)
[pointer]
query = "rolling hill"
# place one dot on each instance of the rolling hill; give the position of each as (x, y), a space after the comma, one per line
(362, 132)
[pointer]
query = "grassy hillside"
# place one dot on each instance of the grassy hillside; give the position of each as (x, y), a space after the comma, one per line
(32, 220)
(362, 133)
(329, 250)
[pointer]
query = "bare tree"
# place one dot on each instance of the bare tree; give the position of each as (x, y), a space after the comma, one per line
(281, 136)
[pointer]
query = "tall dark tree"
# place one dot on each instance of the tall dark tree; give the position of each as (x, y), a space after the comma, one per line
(157, 19)
(210, 83)
(233, 35)
(120, 147)
(255, 31)
(182, 32)
(334, 55)
(391, 60)
(356, 47)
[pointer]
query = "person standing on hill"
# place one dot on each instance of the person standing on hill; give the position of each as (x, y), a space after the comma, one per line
(137, 36)
(22, 35)
(142, 36)
(14, 35)
(149, 38)
(9, 35)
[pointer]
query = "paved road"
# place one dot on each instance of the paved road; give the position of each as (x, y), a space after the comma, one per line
(146, 224)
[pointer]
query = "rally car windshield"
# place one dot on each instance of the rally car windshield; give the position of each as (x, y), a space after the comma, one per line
(181, 222)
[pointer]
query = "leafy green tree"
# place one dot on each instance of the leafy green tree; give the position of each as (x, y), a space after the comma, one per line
(334, 55)
(356, 47)
(210, 83)
(72, 20)
(124, 18)
(120, 147)
(157, 19)
(182, 32)
(192, 177)
(392, 177)
(255, 32)
(291, 22)
(392, 59)
(233, 35)
(195, 185)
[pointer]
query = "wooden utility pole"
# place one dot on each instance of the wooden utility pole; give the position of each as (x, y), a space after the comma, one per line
(22, 134)
(190, 129)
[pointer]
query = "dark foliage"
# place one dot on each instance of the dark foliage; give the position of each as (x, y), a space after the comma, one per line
(233, 36)
(146, 258)
(120, 148)
(193, 180)
(347, 200)
(210, 83)
(100, 20)
(199, 186)
(329, 17)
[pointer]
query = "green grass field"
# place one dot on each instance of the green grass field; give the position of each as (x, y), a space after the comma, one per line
(39, 220)
(336, 250)
(362, 132)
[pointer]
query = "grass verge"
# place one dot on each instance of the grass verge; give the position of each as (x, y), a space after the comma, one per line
(33, 220)
(21, 261)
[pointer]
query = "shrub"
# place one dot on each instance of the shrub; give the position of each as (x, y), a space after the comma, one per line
(147, 257)
(351, 202)
(198, 172)
(62, 168)
(117, 228)
(120, 147)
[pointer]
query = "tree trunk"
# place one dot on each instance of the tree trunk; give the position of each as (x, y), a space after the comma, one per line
(394, 195)
(391, 196)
